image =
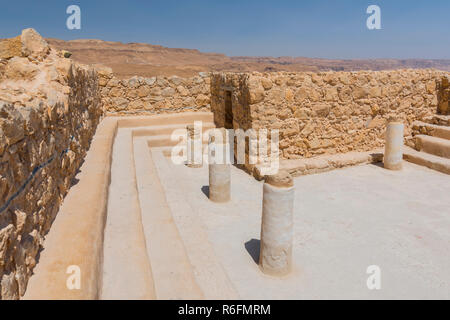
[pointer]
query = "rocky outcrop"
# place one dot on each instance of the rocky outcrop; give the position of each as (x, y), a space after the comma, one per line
(49, 111)
(29, 44)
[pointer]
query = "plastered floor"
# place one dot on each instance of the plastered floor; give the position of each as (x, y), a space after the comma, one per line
(345, 221)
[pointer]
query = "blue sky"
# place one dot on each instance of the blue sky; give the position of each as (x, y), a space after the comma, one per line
(309, 28)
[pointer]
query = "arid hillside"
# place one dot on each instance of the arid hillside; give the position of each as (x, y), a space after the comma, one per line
(149, 60)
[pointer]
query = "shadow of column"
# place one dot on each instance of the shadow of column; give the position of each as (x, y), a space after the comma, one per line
(253, 247)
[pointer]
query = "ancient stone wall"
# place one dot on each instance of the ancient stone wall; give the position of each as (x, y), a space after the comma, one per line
(49, 110)
(326, 113)
(155, 95)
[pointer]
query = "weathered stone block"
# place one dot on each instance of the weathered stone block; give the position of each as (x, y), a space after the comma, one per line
(20, 69)
(10, 48)
(33, 44)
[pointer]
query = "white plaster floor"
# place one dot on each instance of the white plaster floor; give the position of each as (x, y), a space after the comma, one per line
(345, 221)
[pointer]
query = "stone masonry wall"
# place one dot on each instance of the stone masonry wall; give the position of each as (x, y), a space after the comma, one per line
(155, 95)
(49, 110)
(326, 113)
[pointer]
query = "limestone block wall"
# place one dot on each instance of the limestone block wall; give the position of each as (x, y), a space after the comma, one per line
(49, 111)
(155, 95)
(329, 112)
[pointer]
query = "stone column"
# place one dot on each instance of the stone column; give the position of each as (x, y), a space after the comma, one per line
(194, 147)
(219, 168)
(444, 95)
(393, 154)
(277, 225)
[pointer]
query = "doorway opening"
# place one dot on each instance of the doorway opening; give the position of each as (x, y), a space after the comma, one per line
(228, 110)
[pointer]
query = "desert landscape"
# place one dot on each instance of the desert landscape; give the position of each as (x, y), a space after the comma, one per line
(146, 60)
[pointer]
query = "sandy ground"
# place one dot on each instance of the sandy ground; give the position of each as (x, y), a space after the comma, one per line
(345, 221)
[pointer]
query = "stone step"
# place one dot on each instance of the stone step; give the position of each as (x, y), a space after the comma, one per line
(208, 270)
(166, 151)
(127, 273)
(432, 145)
(173, 274)
(164, 119)
(427, 160)
(434, 130)
(167, 129)
(324, 163)
(165, 141)
(438, 119)
(161, 141)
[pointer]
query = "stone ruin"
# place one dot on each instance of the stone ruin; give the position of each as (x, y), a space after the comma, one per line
(51, 108)
(328, 113)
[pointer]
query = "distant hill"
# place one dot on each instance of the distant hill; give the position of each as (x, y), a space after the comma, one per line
(149, 60)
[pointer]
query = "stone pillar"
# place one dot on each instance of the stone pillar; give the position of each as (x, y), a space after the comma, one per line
(444, 95)
(277, 225)
(393, 154)
(219, 168)
(194, 147)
